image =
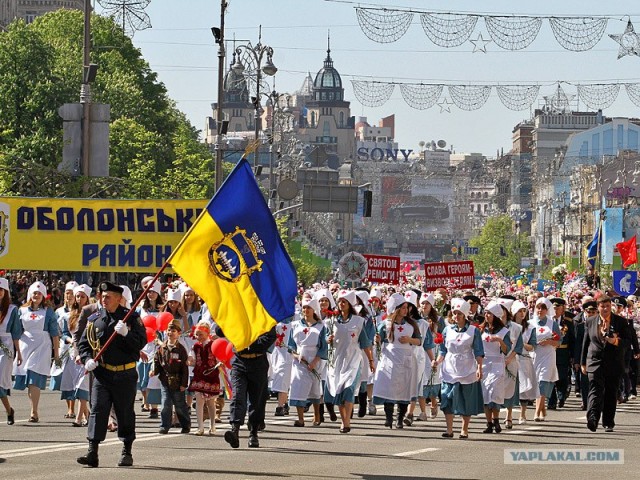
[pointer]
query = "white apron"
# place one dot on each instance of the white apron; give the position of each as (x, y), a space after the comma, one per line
(150, 349)
(493, 381)
(304, 384)
(35, 343)
(459, 363)
(529, 389)
(515, 331)
(347, 356)
(280, 360)
(545, 359)
(6, 361)
(422, 373)
(365, 372)
(396, 375)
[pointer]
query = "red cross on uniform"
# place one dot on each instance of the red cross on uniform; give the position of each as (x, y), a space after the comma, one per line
(353, 335)
(33, 316)
(400, 328)
(305, 331)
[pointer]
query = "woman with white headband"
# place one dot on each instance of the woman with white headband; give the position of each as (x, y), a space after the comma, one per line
(527, 383)
(461, 357)
(10, 332)
(346, 337)
(41, 333)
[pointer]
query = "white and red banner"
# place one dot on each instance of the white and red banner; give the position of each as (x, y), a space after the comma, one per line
(383, 269)
(457, 275)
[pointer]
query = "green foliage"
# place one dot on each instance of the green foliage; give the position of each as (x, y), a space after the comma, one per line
(500, 248)
(154, 150)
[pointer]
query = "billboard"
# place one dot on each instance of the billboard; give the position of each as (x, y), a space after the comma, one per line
(92, 235)
(383, 269)
(449, 274)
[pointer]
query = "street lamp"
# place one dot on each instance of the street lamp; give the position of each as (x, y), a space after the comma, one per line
(255, 56)
(281, 123)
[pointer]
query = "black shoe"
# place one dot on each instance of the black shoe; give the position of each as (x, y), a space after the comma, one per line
(561, 404)
(153, 413)
(551, 407)
(185, 430)
(253, 441)
(10, 417)
(608, 429)
(231, 437)
(332, 412)
(583, 407)
(126, 460)
(408, 420)
(399, 421)
(388, 422)
(489, 428)
(163, 431)
(279, 412)
(90, 459)
(496, 425)
(592, 424)
(286, 409)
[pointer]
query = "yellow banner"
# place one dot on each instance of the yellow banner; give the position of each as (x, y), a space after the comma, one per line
(92, 235)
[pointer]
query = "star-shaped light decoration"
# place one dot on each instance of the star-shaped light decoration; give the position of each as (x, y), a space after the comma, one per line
(629, 42)
(559, 102)
(445, 105)
(480, 44)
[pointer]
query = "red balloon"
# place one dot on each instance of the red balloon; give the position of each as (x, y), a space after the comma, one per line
(151, 333)
(218, 348)
(228, 364)
(163, 320)
(150, 321)
(228, 353)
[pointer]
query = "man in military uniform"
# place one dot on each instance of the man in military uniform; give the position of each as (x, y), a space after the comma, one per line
(115, 375)
(249, 378)
(564, 354)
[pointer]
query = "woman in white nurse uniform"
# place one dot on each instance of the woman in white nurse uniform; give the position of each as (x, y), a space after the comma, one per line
(10, 332)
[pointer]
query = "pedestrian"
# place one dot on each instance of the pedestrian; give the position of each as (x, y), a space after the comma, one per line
(41, 334)
(170, 366)
(527, 387)
(205, 383)
(431, 383)
(512, 360)
(602, 359)
(114, 382)
(280, 361)
(365, 392)
(589, 309)
(461, 357)
(249, 379)
(564, 354)
(11, 331)
(150, 387)
(346, 336)
(62, 317)
(327, 311)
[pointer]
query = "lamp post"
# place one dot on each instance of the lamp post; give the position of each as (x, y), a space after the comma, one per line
(255, 56)
(280, 122)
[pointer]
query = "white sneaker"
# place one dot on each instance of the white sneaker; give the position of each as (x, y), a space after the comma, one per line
(522, 421)
(422, 417)
(632, 397)
(371, 409)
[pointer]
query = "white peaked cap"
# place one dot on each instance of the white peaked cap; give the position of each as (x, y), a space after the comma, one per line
(4, 284)
(428, 298)
(349, 296)
(325, 293)
(146, 280)
(156, 287)
(71, 285)
(36, 287)
(174, 294)
(505, 302)
(460, 305)
(363, 295)
(411, 297)
(376, 292)
(126, 293)
(517, 306)
(313, 303)
(184, 288)
(394, 302)
(86, 289)
(546, 301)
(495, 307)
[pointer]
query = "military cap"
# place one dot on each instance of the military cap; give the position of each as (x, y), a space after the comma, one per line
(619, 301)
(557, 301)
(110, 287)
(472, 298)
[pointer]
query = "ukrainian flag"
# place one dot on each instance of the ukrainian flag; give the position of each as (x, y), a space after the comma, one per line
(234, 259)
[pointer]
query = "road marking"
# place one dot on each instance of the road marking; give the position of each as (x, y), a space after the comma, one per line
(415, 452)
(581, 418)
(533, 428)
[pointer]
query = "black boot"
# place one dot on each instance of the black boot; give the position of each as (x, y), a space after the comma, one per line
(322, 413)
(489, 428)
(388, 412)
(332, 412)
(126, 459)
(362, 404)
(232, 437)
(90, 459)
(496, 425)
(253, 439)
(402, 410)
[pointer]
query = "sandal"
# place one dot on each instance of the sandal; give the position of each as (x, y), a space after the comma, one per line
(462, 436)
(33, 419)
(70, 415)
(508, 424)
(298, 423)
(447, 435)
(79, 424)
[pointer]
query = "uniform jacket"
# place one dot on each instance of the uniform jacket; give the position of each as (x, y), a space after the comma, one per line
(170, 364)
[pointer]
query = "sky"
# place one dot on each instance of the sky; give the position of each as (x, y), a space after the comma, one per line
(181, 48)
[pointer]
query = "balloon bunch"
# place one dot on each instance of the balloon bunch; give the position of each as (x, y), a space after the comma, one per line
(222, 349)
(154, 324)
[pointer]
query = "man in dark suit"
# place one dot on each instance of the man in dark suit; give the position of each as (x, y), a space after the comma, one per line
(605, 338)
(589, 309)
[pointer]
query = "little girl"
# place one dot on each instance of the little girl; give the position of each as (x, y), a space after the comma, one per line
(206, 379)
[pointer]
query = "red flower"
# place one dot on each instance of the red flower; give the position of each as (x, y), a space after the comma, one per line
(438, 339)
(555, 336)
(330, 313)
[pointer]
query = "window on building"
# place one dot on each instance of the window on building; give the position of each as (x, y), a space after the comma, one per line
(473, 195)
(326, 129)
(479, 208)
(341, 120)
(313, 119)
(486, 195)
(30, 16)
(485, 208)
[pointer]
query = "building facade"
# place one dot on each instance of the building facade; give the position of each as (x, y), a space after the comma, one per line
(8, 12)
(30, 9)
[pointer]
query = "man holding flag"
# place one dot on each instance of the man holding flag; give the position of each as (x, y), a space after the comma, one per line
(234, 259)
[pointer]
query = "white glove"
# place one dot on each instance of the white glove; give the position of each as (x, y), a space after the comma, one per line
(121, 328)
(90, 365)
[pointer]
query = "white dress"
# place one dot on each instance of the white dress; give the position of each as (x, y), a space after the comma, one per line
(545, 359)
(422, 372)
(515, 330)
(459, 364)
(304, 384)
(397, 372)
(6, 361)
(280, 360)
(493, 381)
(347, 356)
(526, 371)
(35, 343)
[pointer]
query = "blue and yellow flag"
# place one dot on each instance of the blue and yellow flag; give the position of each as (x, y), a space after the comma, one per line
(593, 247)
(234, 259)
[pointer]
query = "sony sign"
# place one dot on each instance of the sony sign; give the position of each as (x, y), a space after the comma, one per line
(378, 154)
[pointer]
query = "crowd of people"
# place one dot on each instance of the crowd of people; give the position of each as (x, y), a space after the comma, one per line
(395, 351)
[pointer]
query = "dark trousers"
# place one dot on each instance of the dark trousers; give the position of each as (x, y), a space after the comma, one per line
(561, 389)
(583, 381)
(249, 378)
(633, 376)
(171, 399)
(603, 397)
(117, 389)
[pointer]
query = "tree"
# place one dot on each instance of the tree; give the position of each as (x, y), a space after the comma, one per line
(499, 247)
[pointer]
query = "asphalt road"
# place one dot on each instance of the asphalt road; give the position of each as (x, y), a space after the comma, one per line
(49, 449)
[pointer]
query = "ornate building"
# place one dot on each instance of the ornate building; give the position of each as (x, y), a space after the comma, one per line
(30, 9)
(8, 12)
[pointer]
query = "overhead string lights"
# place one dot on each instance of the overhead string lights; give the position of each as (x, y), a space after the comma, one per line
(129, 14)
(509, 32)
(424, 95)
